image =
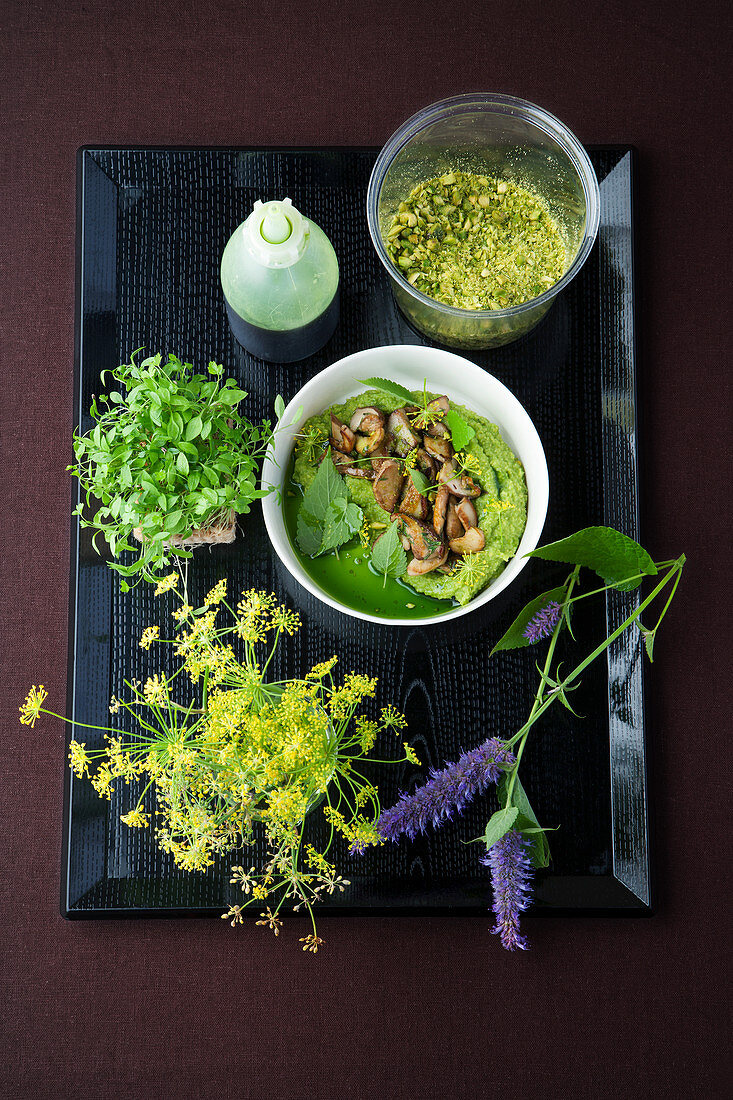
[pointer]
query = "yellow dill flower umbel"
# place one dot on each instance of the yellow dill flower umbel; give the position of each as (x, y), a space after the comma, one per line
(136, 819)
(155, 690)
(31, 708)
(411, 754)
(217, 593)
(78, 759)
(319, 671)
(166, 583)
(285, 619)
(149, 635)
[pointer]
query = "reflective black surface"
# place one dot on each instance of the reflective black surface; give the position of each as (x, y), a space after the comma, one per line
(152, 226)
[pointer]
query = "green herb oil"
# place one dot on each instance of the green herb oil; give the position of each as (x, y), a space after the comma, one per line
(350, 578)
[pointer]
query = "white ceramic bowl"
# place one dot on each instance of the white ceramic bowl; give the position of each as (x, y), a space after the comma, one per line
(464, 383)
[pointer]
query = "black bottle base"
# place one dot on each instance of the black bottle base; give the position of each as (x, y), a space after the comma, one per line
(285, 347)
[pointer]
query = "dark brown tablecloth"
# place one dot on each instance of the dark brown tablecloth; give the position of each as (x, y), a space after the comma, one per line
(402, 1008)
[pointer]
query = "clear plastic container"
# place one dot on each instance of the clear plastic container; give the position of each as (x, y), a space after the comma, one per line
(494, 135)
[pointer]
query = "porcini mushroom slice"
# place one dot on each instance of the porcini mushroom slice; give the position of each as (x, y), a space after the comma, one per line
(469, 543)
(401, 433)
(368, 444)
(463, 486)
(439, 449)
(448, 470)
(423, 540)
(366, 420)
(453, 526)
(387, 484)
(466, 512)
(342, 438)
(440, 508)
(413, 503)
(426, 464)
(417, 568)
(344, 465)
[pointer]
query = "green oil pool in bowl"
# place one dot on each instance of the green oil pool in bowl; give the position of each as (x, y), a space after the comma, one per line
(349, 578)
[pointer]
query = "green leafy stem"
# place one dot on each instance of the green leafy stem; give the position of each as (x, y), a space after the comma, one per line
(622, 565)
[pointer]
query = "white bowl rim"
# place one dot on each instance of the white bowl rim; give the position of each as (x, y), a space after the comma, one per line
(277, 461)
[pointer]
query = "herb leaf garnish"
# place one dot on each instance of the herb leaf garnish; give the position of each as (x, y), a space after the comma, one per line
(326, 519)
(421, 483)
(341, 522)
(388, 557)
(461, 432)
(392, 389)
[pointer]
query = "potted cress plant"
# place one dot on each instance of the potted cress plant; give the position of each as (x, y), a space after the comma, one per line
(169, 460)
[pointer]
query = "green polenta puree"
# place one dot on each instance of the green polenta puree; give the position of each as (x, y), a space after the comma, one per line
(501, 508)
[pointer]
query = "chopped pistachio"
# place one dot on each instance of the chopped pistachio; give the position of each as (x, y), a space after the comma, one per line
(477, 242)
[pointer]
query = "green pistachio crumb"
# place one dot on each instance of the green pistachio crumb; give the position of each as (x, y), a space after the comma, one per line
(477, 243)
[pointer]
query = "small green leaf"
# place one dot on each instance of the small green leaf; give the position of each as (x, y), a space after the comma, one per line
(392, 389)
(388, 556)
(341, 522)
(279, 406)
(461, 432)
(309, 534)
(514, 637)
(540, 848)
(326, 487)
(193, 428)
(613, 556)
(182, 464)
(499, 824)
(421, 483)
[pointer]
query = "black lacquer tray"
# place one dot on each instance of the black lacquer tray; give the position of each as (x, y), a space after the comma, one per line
(152, 224)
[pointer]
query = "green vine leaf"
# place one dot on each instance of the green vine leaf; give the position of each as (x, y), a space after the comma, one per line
(514, 637)
(613, 556)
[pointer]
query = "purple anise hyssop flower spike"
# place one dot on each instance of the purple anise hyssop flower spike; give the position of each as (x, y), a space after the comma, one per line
(446, 792)
(511, 873)
(543, 622)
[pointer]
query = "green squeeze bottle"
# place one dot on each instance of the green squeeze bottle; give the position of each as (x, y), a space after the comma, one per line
(280, 278)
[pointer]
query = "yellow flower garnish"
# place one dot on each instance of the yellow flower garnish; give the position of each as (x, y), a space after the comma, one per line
(393, 719)
(31, 708)
(411, 754)
(217, 593)
(319, 671)
(166, 584)
(136, 819)
(283, 618)
(102, 782)
(78, 759)
(155, 690)
(150, 635)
